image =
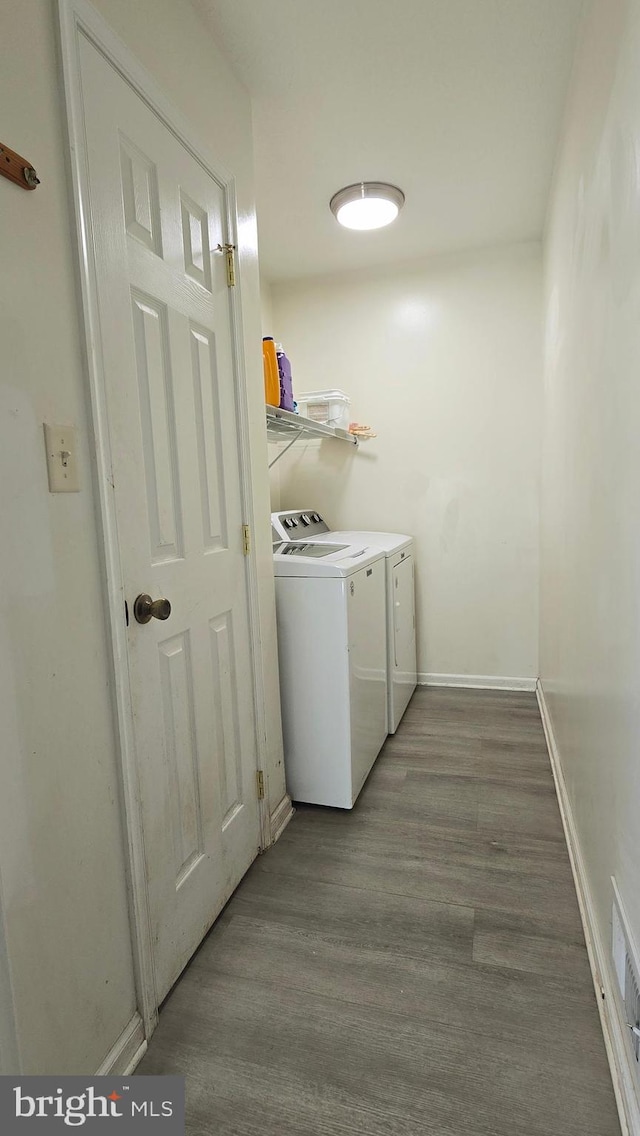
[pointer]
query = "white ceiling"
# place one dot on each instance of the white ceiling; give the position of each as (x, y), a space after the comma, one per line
(459, 102)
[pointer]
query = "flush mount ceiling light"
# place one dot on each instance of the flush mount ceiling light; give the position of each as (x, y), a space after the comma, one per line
(367, 205)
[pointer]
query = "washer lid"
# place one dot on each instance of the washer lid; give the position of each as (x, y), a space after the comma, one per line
(322, 559)
(300, 548)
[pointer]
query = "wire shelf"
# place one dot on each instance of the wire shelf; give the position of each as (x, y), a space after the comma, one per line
(284, 426)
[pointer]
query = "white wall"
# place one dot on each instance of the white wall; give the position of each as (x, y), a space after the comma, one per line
(61, 850)
(266, 306)
(443, 359)
(590, 594)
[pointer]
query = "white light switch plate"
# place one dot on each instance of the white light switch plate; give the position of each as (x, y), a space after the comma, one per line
(62, 459)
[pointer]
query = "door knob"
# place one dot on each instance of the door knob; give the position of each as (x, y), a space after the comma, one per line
(146, 609)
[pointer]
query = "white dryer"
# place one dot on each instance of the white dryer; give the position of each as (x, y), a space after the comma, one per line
(401, 677)
(330, 609)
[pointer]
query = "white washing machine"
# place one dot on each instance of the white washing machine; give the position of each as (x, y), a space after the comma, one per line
(330, 609)
(401, 619)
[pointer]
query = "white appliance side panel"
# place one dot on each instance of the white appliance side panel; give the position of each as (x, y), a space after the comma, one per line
(314, 688)
(402, 640)
(367, 668)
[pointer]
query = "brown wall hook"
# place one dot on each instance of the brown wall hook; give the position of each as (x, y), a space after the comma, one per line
(17, 169)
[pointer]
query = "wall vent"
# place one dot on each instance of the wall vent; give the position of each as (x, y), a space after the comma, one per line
(627, 971)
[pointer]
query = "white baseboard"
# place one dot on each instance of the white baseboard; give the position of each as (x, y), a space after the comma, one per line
(280, 817)
(614, 1029)
(127, 1051)
(477, 682)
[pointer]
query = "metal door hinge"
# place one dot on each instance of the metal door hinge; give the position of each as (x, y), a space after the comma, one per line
(260, 784)
(229, 251)
(246, 540)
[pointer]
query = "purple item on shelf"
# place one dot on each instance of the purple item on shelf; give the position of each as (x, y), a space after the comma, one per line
(286, 385)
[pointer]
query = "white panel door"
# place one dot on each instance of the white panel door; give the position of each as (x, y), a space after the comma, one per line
(166, 355)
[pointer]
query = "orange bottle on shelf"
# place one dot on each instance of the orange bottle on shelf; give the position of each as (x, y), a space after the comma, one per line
(271, 376)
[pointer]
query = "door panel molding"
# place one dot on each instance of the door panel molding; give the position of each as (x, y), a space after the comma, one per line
(77, 19)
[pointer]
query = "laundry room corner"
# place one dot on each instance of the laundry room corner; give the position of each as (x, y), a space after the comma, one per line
(319, 632)
(443, 360)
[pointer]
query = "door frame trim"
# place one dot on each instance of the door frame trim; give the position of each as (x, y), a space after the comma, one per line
(76, 18)
(10, 1058)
